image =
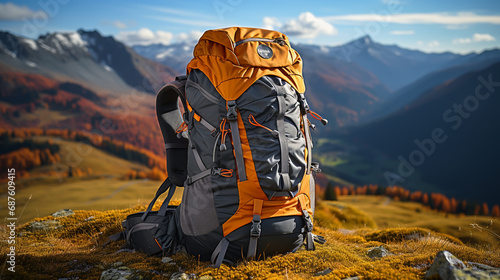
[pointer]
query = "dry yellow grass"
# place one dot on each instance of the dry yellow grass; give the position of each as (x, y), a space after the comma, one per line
(82, 194)
(74, 251)
(388, 213)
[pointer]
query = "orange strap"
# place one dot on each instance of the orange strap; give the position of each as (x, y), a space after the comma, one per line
(302, 202)
(257, 206)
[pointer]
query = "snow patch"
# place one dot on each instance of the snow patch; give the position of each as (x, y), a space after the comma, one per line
(30, 64)
(76, 40)
(45, 47)
(164, 54)
(30, 43)
(106, 67)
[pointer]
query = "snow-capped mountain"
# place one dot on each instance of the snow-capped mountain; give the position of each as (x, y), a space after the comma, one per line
(397, 67)
(176, 56)
(85, 57)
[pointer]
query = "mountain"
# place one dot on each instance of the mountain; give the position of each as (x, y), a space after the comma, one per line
(448, 135)
(84, 57)
(175, 56)
(404, 96)
(397, 67)
(339, 91)
(81, 81)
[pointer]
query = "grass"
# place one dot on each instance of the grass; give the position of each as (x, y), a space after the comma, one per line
(75, 250)
(388, 213)
(83, 194)
(83, 156)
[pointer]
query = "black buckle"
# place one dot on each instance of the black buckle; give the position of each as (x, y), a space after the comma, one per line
(232, 115)
(255, 228)
(304, 107)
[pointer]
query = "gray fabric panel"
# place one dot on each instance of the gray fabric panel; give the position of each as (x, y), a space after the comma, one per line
(197, 210)
(203, 142)
(261, 101)
(202, 246)
(203, 107)
(226, 196)
(279, 235)
(280, 122)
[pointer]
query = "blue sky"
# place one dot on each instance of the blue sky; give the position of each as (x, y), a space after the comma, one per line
(431, 26)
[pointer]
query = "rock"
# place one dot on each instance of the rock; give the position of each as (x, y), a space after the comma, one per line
(117, 274)
(45, 225)
(63, 213)
(352, 278)
(323, 272)
(206, 277)
(448, 267)
(378, 252)
(117, 264)
(89, 219)
(166, 260)
(179, 276)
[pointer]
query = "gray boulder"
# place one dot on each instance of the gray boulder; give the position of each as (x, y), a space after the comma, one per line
(448, 267)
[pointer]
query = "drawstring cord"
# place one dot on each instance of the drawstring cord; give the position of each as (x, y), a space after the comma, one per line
(318, 117)
(224, 133)
(254, 122)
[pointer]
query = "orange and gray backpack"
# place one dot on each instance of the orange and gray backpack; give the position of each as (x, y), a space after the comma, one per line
(240, 147)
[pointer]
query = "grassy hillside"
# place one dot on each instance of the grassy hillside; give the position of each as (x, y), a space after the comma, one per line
(73, 250)
(44, 198)
(479, 231)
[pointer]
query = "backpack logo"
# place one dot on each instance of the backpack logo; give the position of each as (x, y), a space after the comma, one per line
(265, 51)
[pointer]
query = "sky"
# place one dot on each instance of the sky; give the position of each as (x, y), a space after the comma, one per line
(459, 26)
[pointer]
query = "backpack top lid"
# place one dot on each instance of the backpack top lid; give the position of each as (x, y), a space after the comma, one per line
(234, 58)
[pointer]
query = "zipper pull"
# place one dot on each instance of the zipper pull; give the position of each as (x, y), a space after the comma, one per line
(280, 41)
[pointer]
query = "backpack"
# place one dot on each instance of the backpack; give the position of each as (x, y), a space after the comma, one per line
(241, 147)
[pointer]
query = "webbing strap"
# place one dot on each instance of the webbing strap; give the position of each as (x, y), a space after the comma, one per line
(255, 228)
(163, 188)
(198, 176)
(197, 157)
(115, 237)
(207, 124)
(232, 117)
(280, 122)
(138, 227)
(308, 223)
(164, 206)
(220, 252)
(308, 143)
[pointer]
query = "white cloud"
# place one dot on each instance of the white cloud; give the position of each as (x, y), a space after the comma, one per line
(477, 37)
(145, 36)
(307, 26)
(11, 11)
(419, 18)
(271, 23)
(191, 37)
(433, 44)
(119, 24)
(402, 32)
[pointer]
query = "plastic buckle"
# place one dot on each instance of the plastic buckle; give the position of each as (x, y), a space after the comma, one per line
(255, 228)
(216, 171)
(304, 107)
(232, 115)
(315, 167)
(307, 219)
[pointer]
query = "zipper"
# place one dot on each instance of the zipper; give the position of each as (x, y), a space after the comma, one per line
(278, 40)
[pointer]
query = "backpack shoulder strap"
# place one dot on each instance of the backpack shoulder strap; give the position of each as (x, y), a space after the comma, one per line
(170, 119)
